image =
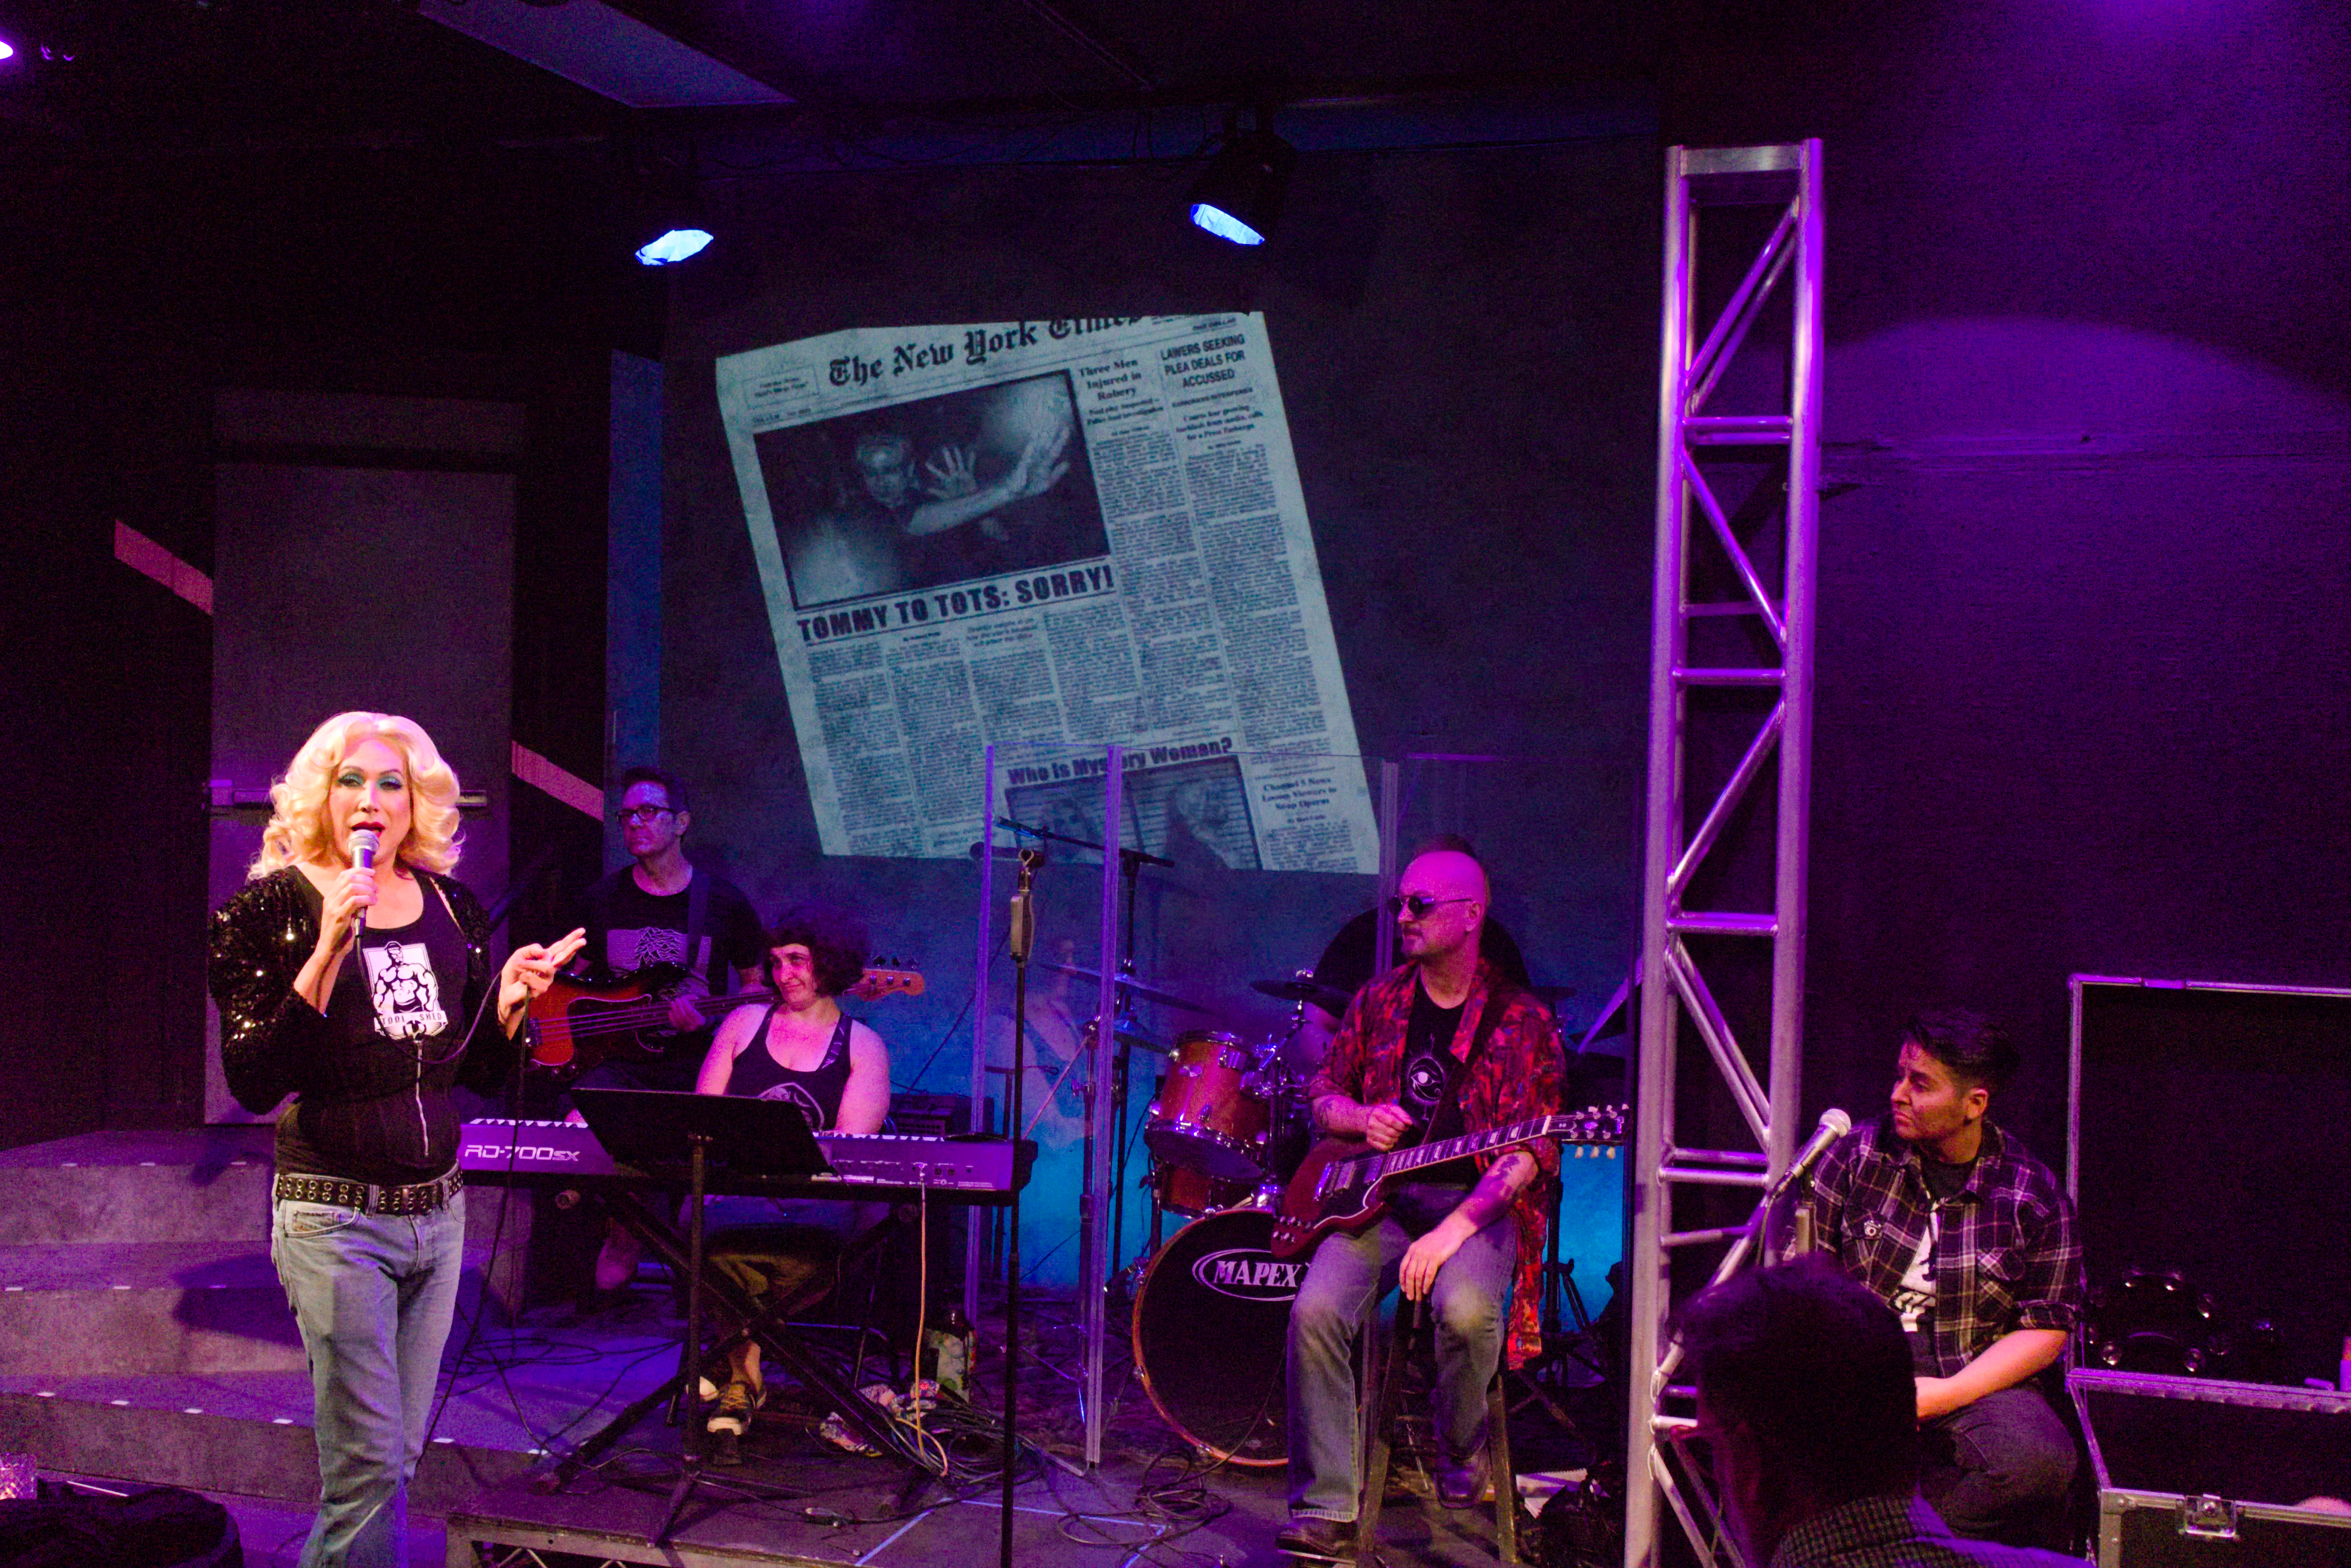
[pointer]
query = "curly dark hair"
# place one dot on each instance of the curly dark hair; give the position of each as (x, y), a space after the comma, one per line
(836, 940)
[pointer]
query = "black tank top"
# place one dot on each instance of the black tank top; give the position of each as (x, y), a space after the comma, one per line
(816, 1092)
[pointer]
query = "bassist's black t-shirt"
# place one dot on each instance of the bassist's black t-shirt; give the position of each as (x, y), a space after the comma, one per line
(1430, 1087)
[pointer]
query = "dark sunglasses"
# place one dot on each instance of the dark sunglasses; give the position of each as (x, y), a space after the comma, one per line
(643, 814)
(1420, 904)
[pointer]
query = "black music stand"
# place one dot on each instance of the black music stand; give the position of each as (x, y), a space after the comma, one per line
(659, 1129)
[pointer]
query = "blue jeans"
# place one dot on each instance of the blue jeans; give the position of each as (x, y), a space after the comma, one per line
(374, 1295)
(2000, 1469)
(1344, 1283)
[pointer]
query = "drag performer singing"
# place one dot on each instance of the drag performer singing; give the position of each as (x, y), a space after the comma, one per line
(354, 973)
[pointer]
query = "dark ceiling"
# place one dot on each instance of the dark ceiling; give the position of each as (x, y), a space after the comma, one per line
(101, 79)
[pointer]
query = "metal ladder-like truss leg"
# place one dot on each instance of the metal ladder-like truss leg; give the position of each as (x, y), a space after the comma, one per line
(1690, 515)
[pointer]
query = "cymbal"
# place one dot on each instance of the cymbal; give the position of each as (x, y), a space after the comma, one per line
(1299, 989)
(1130, 985)
(1552, 996)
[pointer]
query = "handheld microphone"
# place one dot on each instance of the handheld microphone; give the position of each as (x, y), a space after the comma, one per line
(365, 842)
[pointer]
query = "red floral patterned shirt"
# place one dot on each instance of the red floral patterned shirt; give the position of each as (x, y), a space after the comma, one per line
(1516, 1080)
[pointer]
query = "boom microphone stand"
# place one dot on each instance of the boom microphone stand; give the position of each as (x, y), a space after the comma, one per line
(1131, 862)
(1020, 938)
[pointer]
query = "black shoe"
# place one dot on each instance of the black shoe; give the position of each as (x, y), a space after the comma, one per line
(1465, 1485)
(1321, 1539)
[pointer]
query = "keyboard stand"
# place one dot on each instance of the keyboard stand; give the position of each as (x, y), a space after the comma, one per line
(755, 1139)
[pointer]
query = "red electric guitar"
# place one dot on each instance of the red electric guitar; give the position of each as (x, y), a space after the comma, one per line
(581, 1023)
(1344, 1184)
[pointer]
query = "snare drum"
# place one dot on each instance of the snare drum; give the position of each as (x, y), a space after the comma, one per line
(1206, 1118)
(1211, 1330)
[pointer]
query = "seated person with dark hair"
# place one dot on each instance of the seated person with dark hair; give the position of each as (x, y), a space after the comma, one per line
(1807, 1405)
(1971, 1242)
(804, 1050)
(681, 930)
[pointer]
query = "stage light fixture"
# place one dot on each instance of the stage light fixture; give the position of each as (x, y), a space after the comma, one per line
(7, 49)
(671, 224)
(673, 245)
(1238, 198)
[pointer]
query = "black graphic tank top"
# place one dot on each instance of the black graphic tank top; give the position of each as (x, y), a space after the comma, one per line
(816, 1092)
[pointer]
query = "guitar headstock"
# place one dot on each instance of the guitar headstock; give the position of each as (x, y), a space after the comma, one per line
(879, 982)
(1596, 1124)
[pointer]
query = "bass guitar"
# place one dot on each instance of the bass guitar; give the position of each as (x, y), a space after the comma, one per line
(1345, 1182)
(580, 1023)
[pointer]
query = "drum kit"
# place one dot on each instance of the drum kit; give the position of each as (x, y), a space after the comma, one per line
(1227, 1126)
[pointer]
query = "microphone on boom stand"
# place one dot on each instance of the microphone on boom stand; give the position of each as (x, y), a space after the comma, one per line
(1019, 939)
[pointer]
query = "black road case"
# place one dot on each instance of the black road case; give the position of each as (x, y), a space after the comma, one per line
(2198, 1473)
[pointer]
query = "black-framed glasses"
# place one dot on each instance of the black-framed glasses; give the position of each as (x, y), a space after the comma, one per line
(1420, 904)
(641, 814)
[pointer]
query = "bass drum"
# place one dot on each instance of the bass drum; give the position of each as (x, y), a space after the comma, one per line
(1211, 1332)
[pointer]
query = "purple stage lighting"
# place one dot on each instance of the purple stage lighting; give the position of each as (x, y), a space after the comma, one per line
(7, 49)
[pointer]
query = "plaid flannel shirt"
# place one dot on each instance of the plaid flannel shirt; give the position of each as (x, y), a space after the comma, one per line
(1517, 1079)
(1898, 1532)
(2008, 1254)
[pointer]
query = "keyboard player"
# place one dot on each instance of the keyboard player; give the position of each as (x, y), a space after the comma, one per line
(804, 1050)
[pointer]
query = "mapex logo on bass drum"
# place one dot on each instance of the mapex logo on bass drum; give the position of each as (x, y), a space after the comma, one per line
(1249, 1274)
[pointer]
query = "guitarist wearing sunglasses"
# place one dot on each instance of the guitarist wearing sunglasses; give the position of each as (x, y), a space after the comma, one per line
(1444, 1045)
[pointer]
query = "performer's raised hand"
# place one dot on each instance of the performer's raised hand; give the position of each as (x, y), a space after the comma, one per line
(529, 970)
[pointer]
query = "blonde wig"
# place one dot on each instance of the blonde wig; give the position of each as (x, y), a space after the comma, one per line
(297, 827)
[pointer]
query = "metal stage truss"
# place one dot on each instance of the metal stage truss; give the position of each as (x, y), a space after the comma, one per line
(1776, 608)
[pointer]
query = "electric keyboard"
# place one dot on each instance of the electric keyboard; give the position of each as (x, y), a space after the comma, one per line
(497, 1147)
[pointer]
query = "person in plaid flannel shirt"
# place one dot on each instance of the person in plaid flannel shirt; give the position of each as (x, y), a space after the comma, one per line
(1441, 1046)
(1947, 1218)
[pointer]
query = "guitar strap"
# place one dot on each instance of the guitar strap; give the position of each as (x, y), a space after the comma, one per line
(1499, 994)
(698, 922)
(1498, 997)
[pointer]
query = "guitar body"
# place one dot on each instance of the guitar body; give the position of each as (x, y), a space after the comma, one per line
(1344, 1183)
(582, 1023)
(1309, 1212)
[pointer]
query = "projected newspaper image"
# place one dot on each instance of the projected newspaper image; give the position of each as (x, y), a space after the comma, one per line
(1045, 537)
(944, 490)
(1195, 814)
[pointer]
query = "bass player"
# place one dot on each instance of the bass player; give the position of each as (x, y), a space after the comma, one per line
(1441, 1046)
(662, 913)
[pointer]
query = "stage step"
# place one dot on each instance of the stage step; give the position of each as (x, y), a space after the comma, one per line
(247, 1434)
(145, 1307)
(145, 1336)
(208, 1184)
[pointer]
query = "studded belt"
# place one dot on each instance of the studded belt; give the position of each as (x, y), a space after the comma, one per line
(423, 1198)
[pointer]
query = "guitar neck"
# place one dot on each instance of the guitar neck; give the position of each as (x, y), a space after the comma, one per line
(1573, 1128)
(711, 1007)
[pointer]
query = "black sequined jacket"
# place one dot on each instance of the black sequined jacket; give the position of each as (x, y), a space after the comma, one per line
(273, 1043)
